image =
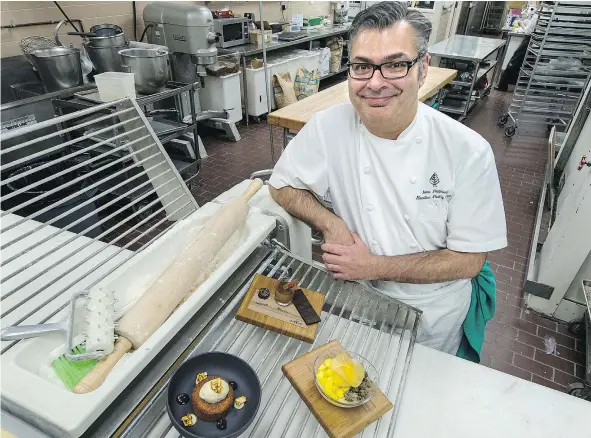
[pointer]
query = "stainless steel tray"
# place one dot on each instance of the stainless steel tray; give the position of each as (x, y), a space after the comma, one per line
(378, 327)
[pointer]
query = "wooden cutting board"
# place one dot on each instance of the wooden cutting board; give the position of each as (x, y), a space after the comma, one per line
(302, 332)
(337, 422)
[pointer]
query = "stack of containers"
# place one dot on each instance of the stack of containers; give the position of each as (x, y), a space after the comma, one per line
(309, 59)
(278, 62)
(224, 92)
(255, 79)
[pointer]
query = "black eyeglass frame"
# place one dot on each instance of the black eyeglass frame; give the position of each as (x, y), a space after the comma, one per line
(409, 64)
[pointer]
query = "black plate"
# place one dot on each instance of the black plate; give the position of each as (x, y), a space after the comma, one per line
(228, 367)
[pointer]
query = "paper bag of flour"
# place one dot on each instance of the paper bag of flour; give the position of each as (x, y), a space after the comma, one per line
(283, 90)
(306, 83)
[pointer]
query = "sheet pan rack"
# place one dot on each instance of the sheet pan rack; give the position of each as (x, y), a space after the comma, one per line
(68, 218)
(556, 68)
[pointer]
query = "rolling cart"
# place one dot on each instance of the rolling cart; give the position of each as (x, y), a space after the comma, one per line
(474, 58)
(556, 68)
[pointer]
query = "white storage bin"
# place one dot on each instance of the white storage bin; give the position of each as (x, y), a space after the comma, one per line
(113, 85)
(223, 93)
(310, 60)
(292, 63)
(255, 79)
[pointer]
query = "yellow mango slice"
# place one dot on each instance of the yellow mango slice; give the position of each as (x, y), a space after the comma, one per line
(349, 370)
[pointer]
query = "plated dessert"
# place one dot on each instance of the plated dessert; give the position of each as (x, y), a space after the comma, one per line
(212, 399)
(213, 394)
(344, 380)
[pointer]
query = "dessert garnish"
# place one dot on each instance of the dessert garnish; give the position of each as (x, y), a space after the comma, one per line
(183, 399)
(216, 385)
(200, 377)
(239, 402)
(233, 384)
(221, 424)
(264, 293)
(189, 420)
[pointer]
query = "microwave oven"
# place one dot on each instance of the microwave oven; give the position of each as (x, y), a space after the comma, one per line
(231, 31)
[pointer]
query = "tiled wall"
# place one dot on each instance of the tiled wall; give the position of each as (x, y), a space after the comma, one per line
(120, 13)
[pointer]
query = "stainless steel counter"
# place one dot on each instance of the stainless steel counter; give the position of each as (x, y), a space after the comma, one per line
(255, 49)
(465, 47)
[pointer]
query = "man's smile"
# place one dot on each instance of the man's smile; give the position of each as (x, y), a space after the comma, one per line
(379, 100)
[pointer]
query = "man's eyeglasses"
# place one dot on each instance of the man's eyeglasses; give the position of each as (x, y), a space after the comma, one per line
(390, 70)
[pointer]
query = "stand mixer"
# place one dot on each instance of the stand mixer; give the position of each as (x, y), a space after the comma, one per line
(187, 30)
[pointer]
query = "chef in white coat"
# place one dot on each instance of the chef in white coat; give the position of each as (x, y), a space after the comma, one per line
(416, 196)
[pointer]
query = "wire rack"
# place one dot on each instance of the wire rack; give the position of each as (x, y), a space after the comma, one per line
(555, 70)
(373, 325)
(75, 208)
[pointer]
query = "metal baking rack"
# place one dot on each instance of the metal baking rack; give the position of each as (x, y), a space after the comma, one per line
(373, 325)
(64, 224)
(556, 68)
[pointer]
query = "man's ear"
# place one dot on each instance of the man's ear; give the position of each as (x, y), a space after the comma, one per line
(426, 59)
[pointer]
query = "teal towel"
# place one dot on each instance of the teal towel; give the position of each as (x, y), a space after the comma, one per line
(482, 309)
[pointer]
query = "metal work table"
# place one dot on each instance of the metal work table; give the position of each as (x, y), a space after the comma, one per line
(476, 50)
(246, 50)
(468, 48)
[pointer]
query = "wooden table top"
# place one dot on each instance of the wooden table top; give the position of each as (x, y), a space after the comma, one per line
(296, 115)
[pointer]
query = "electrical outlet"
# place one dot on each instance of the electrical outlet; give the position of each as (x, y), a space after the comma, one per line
(283, 6)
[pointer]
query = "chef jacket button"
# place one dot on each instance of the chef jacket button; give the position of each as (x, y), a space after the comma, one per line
(413, 179)
(413, 245)
(369, 208)
(374, 243)
(406, 217)
(418, 140)
(367, 170)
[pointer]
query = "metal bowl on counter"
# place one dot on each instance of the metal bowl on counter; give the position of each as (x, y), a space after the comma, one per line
(58, 67)
(149, 66)
(103, 35)
(105, 59)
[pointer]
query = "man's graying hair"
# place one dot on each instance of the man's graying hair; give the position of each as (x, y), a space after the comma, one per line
(384, 15)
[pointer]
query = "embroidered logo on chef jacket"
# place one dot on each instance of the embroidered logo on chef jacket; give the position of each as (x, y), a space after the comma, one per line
(433, 198)
(434, 180)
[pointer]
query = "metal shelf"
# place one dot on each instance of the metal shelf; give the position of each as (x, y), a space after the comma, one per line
(483, 70)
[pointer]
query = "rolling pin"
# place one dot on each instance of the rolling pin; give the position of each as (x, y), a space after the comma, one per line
(181, 277)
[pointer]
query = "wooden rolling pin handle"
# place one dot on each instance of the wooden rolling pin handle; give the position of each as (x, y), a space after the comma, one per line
(252, 188)
(101, 370)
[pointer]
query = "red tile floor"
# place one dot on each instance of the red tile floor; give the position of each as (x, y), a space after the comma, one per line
(515, 338)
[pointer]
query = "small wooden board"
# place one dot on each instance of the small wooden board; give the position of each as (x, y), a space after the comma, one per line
(246, 314)
(337, 422)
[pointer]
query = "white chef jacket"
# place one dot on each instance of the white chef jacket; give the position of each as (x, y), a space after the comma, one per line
(434, 187)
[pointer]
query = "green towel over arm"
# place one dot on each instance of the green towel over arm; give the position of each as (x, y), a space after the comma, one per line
(482, 309)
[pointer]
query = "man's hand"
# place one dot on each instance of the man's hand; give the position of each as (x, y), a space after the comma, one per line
(353, 262)
(338, 233)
